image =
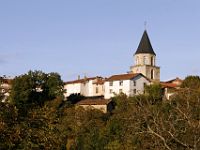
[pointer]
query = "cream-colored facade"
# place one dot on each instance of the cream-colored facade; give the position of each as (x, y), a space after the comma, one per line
(144, 71)
(130, 87)
(89, 87)
(145, 60)
(100, 104)
(146, 64)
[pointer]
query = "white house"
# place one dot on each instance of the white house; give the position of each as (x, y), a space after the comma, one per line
(144, 71)
(129, 84)
(88, 87)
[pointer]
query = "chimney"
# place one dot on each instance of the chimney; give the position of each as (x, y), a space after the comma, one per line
(79, 77)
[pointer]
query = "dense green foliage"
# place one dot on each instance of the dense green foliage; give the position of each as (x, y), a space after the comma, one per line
(154, 92)
(192, 82)
(34, 88)
(136, 123)
(1, 92)
(74, 98)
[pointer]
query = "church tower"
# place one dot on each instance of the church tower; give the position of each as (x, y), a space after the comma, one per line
(145, 60)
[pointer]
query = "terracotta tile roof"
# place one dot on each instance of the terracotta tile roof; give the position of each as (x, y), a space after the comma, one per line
(76, 81)
(81, 80)
(168, 85)
(99, 81)
(123, 77)
(99, 101)
(174, 80)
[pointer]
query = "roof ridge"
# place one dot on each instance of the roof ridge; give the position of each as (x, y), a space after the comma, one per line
(122, 76)
(82, 79)
(125, 74)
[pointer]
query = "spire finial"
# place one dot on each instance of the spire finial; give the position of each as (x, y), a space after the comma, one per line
(145, 25)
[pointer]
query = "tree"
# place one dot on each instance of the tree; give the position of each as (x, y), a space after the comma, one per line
(34, 88)
(139, 122)
(22, 89)
(88, 126)
(42, 128)
(54, 85)
(191, 82)
(154, 92)
(75, 98)
(1, 90)
(8, 126)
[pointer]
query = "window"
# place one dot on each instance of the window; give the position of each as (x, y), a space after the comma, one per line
(144, 60)
(120, 91)
(137, 60)
(121, 83)
(152, 74)
(134, 83)
(152, 64)
(97, 90)
(111, 91)
(111, 83)
(134, 91)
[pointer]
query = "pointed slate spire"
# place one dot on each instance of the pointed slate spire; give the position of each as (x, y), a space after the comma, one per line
(145, 45)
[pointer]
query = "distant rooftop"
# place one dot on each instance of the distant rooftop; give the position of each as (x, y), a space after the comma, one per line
(83, 80)
(128, 76)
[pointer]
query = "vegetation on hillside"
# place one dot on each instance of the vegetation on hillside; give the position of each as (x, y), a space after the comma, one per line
(140, 122)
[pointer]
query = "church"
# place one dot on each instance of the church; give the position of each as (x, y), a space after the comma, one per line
(145, 60)
(143, 72)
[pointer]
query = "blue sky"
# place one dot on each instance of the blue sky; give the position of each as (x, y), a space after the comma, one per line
(97, 37)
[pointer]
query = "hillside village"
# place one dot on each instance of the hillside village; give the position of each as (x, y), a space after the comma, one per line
(99, 75)
(144, 72)
(133, 110)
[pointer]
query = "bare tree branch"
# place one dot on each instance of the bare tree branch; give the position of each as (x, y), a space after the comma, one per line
(162, 138)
